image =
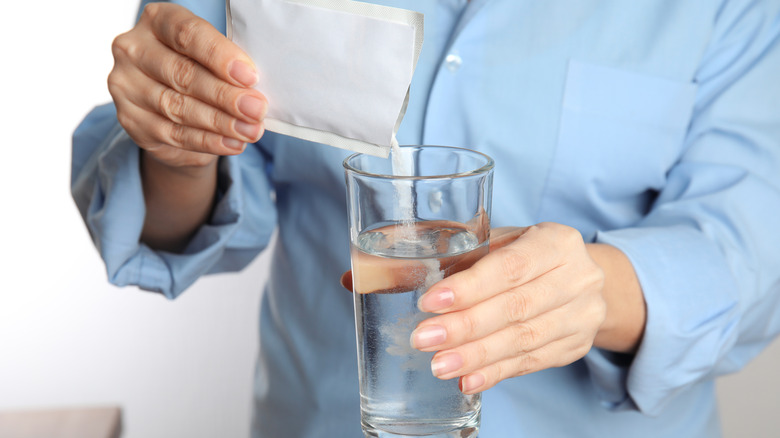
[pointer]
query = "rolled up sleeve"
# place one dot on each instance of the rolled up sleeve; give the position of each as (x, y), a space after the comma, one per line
(106, 187)
(706, 255)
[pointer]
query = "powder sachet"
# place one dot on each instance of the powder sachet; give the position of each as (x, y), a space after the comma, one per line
(334, 71)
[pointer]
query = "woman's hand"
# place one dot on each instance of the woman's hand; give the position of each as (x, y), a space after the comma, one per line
(182, 90)
(536, 301)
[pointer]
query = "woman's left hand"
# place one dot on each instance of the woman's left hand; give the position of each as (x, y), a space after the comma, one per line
(534, 302)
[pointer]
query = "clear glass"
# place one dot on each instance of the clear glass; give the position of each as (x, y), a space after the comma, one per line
(406, 234)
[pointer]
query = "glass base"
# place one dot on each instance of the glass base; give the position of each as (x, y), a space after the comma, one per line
(470, 429)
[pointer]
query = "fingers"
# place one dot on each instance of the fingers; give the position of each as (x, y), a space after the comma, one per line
(187, 77)
(502, 236)
(503, 345)
(172, 87)
(181, 121)
(502, 311)
(195, 38)
(533, 303)
(188, 111)
(556, 354)
(536, 251)
(346, 281)
(548, 341)
(517, 340)
(159, 133)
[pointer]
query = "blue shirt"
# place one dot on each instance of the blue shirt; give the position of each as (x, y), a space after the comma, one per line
(650, 125)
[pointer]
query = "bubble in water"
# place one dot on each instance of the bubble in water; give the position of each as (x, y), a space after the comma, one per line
(373, 241)
(462, 241)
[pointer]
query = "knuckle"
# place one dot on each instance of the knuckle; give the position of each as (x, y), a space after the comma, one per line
(203, 141)
(223, 95)
(582, 350)
(163, 101)
(119, 45)
(527, 363)
(216, 119)
(592, 290)
(501, 372)
(469, 325)
(183, 73)
(525, 338)
(537, 228)
(222, 122)
(514, 263)
(516, 306)
(150, 11)
(598, 311)
(568, 236)
(211, 50)
(480, 355)
(571, 235)
(176, 134)
(184, 33)
(172, 105)
(127, 47)
(114, 84)
(467, 280)
(596, 276)
(124, 119)
(572, 355)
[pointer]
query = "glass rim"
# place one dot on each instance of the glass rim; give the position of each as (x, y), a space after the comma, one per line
(485, 168)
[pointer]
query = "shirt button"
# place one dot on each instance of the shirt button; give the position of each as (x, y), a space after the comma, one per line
(453, 62)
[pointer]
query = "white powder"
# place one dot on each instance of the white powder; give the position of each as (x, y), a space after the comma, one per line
(403, 166)
(398, 332)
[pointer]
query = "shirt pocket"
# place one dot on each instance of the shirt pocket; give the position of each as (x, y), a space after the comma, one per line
(619, 134)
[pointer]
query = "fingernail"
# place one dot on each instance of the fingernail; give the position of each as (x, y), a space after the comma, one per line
(252, 107)
(446, 363)
(243, 73)
(431, 336)
(247, 130)
(471, 382)
(436, 300)
(232, 143)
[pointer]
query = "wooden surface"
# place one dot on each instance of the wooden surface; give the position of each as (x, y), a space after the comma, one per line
(103, 422)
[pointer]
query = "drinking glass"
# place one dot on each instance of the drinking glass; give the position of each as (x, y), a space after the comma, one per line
(407, 233)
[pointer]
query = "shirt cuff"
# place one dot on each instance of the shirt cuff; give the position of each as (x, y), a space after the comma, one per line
(116, 216)
(692, 315)
(608, 372)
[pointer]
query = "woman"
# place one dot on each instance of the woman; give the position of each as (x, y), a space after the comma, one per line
(643, 139)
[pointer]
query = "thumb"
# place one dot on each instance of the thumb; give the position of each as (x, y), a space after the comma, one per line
(503, 236)
(346, 280)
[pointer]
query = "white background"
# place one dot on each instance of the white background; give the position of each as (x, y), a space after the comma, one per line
(178, 369)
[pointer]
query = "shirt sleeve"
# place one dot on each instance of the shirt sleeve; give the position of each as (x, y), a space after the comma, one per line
(106, 187)
(706, 255)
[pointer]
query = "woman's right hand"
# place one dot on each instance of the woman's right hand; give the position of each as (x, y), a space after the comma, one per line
(183, 91)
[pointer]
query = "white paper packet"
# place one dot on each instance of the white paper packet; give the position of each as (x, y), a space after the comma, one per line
(334, 71)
